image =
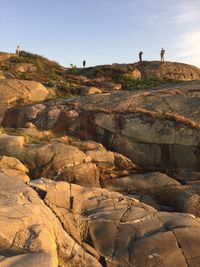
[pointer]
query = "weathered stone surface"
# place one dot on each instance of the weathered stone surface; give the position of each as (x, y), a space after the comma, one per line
(13, 167)
(85, 90)
(31, 260)
(60, 223)
(84, 163)
(152, 134)
(122, 162)
(14, 91)
(159, 191)
(11, 145)
(188, 203)
(31, 233)
(122, 230)
(160, 186)
(49, 160)
(187, 176)
(86, 174)
(147, 69)
(171, 70)
(157, 129)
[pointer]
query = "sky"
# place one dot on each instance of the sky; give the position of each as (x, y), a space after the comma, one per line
(102, 31)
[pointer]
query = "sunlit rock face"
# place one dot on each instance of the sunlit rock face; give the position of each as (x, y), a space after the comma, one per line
(109, 179)
(14, 92)
(157, 129)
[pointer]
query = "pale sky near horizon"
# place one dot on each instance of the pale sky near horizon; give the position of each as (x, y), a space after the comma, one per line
(102, 31)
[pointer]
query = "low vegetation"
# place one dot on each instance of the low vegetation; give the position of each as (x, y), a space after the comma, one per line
(69, 81)
(34, 67)
(129, 83)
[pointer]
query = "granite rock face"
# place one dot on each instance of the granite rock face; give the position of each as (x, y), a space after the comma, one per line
(157, 129)
(173, 71)
(14, 92)
(31, 234)
(13, 167)
(62, 224)
(123, 231)
(84, 163)
(109, 179)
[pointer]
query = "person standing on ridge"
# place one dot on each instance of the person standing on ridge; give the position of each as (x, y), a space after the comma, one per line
(162, 52)
(84, 63)
(18, 50)
(140, 56)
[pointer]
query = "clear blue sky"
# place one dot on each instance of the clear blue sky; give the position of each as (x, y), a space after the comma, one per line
(102, 31)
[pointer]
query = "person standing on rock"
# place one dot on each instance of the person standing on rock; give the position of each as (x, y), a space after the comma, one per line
(162, 52)
(18, 50)
(84, 63)
(140, 56)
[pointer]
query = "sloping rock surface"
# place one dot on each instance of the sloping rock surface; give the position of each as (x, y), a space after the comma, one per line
(157, 129)
(163, 70)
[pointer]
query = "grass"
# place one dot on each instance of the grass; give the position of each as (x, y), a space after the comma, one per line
(47, 72)
(129, 83)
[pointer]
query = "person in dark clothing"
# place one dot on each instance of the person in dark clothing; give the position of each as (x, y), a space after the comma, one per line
(162, 52)
(84, 63)
(140, 56)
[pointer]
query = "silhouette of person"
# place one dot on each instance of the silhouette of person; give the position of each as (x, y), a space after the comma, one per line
(162, 52)
(140, 56)
(18, 50)
(84, 63)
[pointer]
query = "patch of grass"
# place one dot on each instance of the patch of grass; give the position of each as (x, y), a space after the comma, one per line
(129, 83)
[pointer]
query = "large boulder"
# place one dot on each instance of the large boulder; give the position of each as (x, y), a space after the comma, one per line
(14, 92)
(157, 129)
